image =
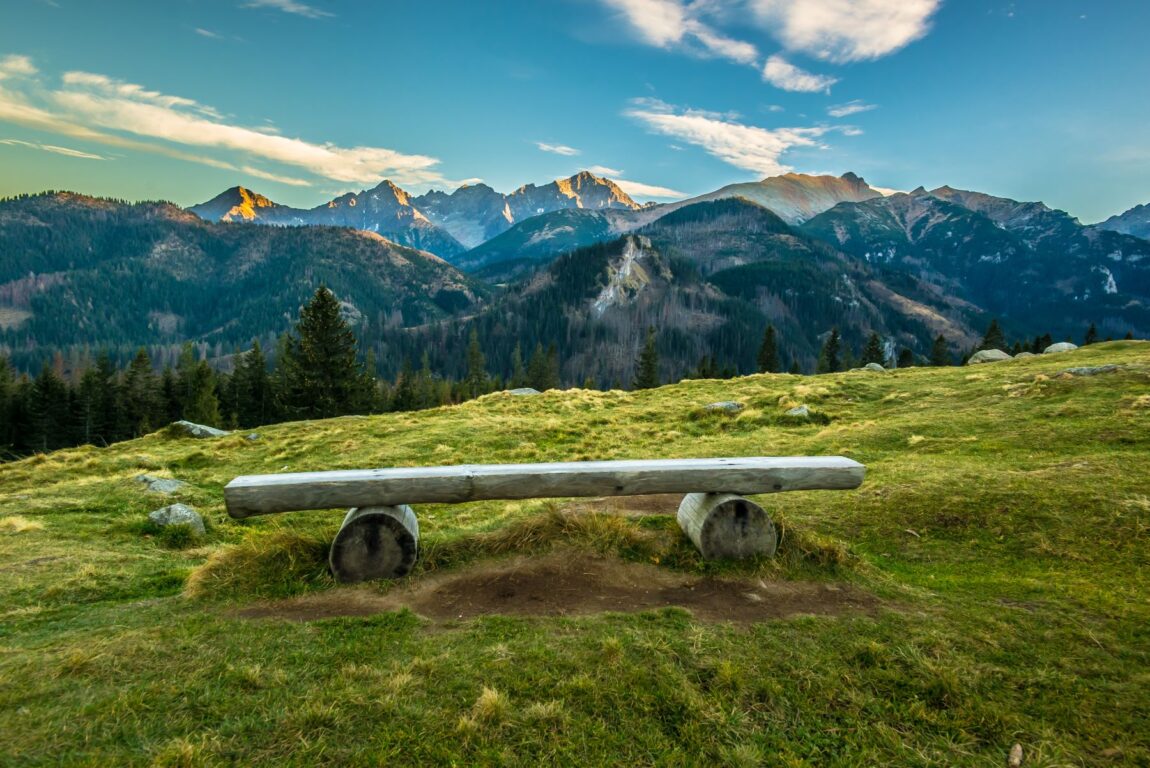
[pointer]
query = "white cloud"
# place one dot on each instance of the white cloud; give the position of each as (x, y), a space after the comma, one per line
(53, 148)
(602, 170)
(743, 146)
(639, 189)
(671, 24)
(850, 108)
(557, 149)
(851, 130)
(846, 30)
(97, 108)
(782, 74)
(208, 33)
(261, 174)
(288, 6)
(16, 66)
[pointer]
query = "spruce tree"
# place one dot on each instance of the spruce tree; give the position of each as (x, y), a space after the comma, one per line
(543, 370)
(873, 353)
(1091, 336)
(647, 365)
(476, 379)
(769, 352)
(829, 361)
(994, 338)
(321, 377)
(940, 352)
(518, 370)
(140, 407)
(196, 389)
(905, 358)
(405, 397)
(49, 410)
(254, 398)
(1129, 336)
(7, 385)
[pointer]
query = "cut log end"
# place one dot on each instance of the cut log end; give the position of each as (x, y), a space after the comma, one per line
(725, 526)
(375, 543)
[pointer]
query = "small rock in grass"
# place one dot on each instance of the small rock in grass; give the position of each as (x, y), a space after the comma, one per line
(1092, 371)
(800, 412)
(178, 514)
(523, 391)
(727, 406)
(192, 429)
(1062, 346)
(874, 367)
(253, 436)
(1022, 355)
(987, 356)
(161, 484)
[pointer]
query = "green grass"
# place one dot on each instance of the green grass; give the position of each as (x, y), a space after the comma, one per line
(1004, 523)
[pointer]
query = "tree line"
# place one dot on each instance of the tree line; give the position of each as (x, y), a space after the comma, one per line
(318, 373)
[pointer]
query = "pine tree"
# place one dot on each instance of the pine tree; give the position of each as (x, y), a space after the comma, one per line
(405, 397)
(321, 377)
(196, 389)
(1091, 336)
(873, 353)
(994, 338)
(769, 352)
(940, 352)
(518, 370)
(795, 369)
(140, 407)
(1129, 336)
(905, 358)
(543, 370)
(49, 409)
(254, 398)
(647, 365)
(476, 380)
(7, 385)
(829, 361)
(1045, 342)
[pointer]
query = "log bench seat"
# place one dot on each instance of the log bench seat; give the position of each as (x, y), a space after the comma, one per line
(379, 537)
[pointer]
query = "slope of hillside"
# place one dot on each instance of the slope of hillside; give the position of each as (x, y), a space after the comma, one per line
(91, 273)
(1135, 221)
(985, 587)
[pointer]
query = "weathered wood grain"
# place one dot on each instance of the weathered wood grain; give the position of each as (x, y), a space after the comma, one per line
(263, 494)
(725, 526)
(375, 543)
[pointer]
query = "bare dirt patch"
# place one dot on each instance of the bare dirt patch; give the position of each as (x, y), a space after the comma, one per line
(576, 584)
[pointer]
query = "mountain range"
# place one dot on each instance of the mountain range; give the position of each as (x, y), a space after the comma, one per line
(588, 275)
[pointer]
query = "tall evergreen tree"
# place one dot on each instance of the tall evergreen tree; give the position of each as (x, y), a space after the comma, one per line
(905, 358)
(321, 377)
(49, 409)
(769, 352)
(829, 361)
(7, 386)
(647, 365)
(873, 352)
(1091, 336)
(254, 399)
(994, 338)
(518, 370)
(476, 380)
(940, 352)
(405, 397)
(543, 370)
(196, 389)
(140, 407)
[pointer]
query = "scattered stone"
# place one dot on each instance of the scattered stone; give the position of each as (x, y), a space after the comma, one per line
(191, 429)
(1093, 371)
(988, 356)
(161, 484)
(523, 391)
(874, 367)
(253, 436)
(800, 412)
(1062, 346)
(1021, 355)
(727, 406)
(178, 514)
(1014, 760)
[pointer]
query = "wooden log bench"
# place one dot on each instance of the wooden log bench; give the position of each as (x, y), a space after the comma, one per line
(379, 537)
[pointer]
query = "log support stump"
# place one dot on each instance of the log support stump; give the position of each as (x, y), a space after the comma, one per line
(726, 526)
(375, 543)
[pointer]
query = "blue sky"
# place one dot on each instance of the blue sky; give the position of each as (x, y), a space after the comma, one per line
(1032, 99)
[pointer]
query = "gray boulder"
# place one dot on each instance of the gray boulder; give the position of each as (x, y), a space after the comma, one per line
(987, 356)
(1093, 371)
(800, 412)
(523, 391)
(178, 514)
(727, 406)
(1022, 355)
(192, 429)
(1062, 346)
(161, 484)
(874, 367)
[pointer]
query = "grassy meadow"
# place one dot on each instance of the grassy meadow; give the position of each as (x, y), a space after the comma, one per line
(1002, 537)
